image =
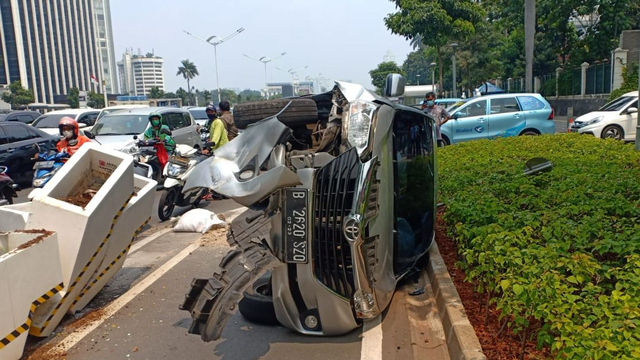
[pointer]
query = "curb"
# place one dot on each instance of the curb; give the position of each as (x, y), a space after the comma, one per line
(461, 338)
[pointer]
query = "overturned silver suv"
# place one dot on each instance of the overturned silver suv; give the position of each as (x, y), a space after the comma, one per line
(341, 189)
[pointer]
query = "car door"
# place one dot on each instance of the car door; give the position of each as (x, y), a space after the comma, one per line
(21, 150)
(4, 148)
(191, 129)
(470, 121)
(506, 117)
(628, 120)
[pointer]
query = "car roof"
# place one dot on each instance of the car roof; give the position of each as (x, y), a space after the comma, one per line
(71, 111)
(633, 93)
(147, 111)
(449, 99)
(129, 106)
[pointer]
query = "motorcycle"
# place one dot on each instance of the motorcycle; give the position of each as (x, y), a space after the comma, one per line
(7, 187)
(346, 219)
(150, 158)
(177, 171)
(47, 165)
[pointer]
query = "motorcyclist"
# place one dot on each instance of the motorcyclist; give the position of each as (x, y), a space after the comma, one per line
(71, 138)
(161, 132)
(217, 131)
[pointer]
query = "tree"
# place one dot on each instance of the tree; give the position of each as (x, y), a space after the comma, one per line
(170, 95)
(437, 21)
(183, 95)
(95, 100)
(188, 70)
(156, 93)
(379, 74)
(225, 94)
(73, 99)
(206, 95)
(418, 63)
(17, 95)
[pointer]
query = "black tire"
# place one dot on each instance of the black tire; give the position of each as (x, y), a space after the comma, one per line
(529, 133)
(258, 307)
(300, 112)
(167, 203)
(612, 132)
(445, 141)
(8, 195)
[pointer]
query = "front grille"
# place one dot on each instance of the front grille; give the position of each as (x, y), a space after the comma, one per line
(333, 200)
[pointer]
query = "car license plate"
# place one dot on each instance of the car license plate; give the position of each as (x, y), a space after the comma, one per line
(43, 165)
(296, 225)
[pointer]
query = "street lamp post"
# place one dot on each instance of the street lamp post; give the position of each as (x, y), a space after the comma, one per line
(418, 76)
(453, 58)
(215, 51)
(265, 60)
(433, 77)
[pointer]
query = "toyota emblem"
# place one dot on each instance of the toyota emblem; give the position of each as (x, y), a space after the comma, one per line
(351, 228)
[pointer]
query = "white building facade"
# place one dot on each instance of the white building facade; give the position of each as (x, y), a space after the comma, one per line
(51, 46)
(138, 74)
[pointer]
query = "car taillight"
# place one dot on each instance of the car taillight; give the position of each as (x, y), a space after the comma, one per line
(552, 115)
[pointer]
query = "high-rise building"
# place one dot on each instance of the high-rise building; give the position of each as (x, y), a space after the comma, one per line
(54, 45)
(138, 73)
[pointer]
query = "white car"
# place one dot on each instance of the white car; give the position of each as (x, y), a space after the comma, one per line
(49, 121)
(111, 109)
(616, 120)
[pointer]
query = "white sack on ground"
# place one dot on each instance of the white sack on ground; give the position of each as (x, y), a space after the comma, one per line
(198, 220)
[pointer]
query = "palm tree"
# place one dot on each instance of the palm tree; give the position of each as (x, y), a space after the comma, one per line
(189, 71)
(416, 42)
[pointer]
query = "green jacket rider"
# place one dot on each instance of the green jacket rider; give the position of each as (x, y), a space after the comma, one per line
(155, 132)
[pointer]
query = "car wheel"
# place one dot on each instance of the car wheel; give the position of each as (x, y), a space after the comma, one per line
(445, 141)
(612, 132)
(300, 112)
(257, 306)
(529, 133)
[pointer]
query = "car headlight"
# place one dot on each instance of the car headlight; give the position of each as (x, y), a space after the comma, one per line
(175, 170)
(360, 118)
(594, 121)
(130, 149)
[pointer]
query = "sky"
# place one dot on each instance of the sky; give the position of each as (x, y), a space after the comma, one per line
(340, 39)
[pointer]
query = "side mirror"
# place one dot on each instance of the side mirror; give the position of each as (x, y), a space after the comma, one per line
(90, 135)
(632, 110)
(455, 116)
(394, 86)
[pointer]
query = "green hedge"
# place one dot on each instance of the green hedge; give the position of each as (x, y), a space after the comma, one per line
(558, 253)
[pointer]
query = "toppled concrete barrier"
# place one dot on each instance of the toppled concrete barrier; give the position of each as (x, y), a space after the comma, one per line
(128, 226)
(30, 275)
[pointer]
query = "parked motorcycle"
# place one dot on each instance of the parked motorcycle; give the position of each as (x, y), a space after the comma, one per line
(47, 165)
(177, 171)
(7, 187)
(347, 219)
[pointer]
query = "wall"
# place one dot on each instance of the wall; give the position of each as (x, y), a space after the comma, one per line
(630, 40)
(580, 106)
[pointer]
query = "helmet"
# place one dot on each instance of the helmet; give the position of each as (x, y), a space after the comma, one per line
(67, 121)
(155, 114)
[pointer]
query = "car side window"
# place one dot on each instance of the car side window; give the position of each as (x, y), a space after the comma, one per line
(530, 103)
(504, 105)
(17, 133)
(187, 119)
(34, 135)
(26, 119)
(167, 119)
(4, 139)
(477, 108)
(91, 118)
(176, 121)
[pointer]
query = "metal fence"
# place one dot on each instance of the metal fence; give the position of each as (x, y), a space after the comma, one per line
(597, 80)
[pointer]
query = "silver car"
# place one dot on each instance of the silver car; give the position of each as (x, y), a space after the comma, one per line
(116, 130)
(347, 222)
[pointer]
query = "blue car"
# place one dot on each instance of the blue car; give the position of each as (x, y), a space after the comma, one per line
(500, 115)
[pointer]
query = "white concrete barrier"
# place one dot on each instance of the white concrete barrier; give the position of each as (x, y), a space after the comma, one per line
(85, 231)
(14, 217)
(134, 217)
(30, 274)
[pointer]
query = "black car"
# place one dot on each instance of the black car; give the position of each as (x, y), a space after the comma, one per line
(18, 145)
(25, 117)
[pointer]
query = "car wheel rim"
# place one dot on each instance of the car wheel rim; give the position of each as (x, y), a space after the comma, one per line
(613, 133)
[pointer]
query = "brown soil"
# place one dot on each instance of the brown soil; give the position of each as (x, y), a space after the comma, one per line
(213, 236)
(43, 235)
(495, 344)
(81, 200)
